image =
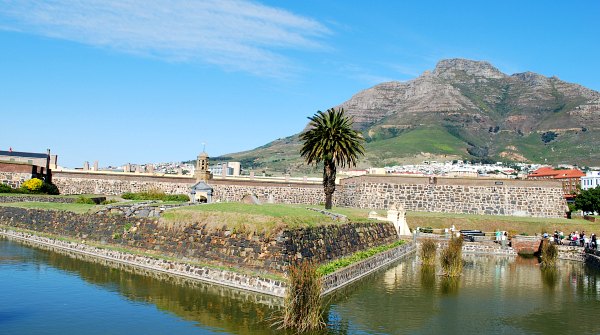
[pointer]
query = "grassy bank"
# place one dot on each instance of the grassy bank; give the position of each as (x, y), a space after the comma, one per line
(76, 208)
(256, 218)
(488, 223)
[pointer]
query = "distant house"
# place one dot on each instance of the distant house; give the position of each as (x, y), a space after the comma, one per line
(571, 179)
(590, 180)
(16, 167)
(32, 158)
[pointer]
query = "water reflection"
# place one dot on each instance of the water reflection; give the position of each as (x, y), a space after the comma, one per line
(495, 295)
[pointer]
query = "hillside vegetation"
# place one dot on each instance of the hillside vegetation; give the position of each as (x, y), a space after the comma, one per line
(462, 109)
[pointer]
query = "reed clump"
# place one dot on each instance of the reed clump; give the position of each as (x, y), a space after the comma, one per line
(549, 254)
(451, 257)
(428, 251)
(302, 309)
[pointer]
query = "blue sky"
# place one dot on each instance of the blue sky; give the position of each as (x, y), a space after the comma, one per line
(149, 81)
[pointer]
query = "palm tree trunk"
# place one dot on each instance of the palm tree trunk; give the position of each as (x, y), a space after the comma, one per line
(329, 172)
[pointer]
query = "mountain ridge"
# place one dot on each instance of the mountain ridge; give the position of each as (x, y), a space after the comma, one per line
(477, 112)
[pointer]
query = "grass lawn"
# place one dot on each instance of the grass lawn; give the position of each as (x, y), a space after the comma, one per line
(265, 218)
(489, 223)
(77, 208)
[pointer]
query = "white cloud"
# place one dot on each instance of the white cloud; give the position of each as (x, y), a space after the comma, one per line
(233, 34)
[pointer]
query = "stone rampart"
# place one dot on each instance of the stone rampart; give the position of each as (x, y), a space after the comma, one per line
(469, 196)
(195, 242)
(182, 269)
(117, 184)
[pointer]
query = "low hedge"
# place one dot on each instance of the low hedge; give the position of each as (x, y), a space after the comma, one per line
(153, 195)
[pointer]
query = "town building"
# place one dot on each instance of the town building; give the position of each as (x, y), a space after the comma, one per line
(590, 180)
(571, 179)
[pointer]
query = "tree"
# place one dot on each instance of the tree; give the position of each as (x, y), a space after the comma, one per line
(588, 200)
(330, 139)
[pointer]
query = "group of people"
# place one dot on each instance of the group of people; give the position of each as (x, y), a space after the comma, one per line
(575, 238)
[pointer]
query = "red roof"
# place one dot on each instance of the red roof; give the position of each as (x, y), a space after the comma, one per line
(569, 174)
(556, 174)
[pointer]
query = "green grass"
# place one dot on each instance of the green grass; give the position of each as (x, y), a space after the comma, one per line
(489, 223)
(76, 208)
(356, 257)
(433, 139)
(247, 218)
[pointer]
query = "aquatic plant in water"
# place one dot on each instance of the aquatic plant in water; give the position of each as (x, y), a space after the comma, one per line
(428, 251)
(302, 309)
(451, 257)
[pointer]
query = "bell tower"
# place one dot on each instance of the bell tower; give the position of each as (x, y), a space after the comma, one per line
(202, 173)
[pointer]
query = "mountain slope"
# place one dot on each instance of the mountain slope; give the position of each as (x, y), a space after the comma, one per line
(462, 109)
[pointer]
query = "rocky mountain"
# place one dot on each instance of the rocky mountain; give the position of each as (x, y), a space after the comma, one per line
(463, 109)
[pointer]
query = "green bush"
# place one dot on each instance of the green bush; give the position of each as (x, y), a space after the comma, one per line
(155, 195)
(49, 188)
(5, 188)
(108, 202)
(83, 200)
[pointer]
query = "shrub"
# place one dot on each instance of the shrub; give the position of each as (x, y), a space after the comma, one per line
(49, 188)
(428, 251)
(302, 309)
(33, 185)
(108, 202)
(451, 257)
(5, 188)
(176, 197)
(83, 200)
(155, 195)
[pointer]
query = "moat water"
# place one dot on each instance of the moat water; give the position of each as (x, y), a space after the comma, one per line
(49, 292)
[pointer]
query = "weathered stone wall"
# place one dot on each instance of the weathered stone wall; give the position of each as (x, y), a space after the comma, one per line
(117, 184)
(325, 243)
(309, 194)
(526, 244)
(520, 198)
(197, 243)
(35, 198)
(186, 270)
(15, 173)
(469, 196)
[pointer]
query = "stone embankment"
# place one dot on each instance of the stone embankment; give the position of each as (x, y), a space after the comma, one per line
(351, 273)
(182, 269)
(216, 243)
(36, 198)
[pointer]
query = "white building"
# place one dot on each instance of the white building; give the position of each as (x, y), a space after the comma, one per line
(590, 180)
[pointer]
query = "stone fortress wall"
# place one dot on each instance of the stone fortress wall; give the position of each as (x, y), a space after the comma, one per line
(450, 195)
(265, 252)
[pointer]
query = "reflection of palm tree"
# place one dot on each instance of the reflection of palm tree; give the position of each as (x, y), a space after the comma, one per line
(330, 139)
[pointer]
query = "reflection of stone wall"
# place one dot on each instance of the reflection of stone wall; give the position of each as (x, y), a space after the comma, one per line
(223, 277)
(197, 243)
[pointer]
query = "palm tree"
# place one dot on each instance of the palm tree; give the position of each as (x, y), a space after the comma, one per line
(330, 139)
